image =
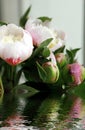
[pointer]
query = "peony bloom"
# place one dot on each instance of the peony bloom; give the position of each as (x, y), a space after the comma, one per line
(15, 44)
(40, 31)
(74, 74)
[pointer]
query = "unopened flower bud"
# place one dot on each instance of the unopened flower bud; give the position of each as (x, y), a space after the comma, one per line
(74, 74)
(61, 59)
(52, 72)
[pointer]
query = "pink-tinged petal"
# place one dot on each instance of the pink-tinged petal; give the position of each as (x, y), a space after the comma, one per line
(38, 30)
(12, 61)
(75, 70)
(61, 59)
(74, 74)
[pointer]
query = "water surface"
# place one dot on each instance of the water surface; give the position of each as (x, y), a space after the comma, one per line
(42, 111)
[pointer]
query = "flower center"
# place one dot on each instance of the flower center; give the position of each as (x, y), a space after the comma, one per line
(53, 43)
(11, 38)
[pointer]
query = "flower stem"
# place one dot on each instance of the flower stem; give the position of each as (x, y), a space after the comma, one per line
(1, 87)
(12, 75)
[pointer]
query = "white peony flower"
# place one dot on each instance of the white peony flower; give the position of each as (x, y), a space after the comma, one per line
(15, 44)
(41, 31)
(38, 30)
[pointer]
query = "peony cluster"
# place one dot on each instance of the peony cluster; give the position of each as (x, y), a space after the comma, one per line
(19, 44)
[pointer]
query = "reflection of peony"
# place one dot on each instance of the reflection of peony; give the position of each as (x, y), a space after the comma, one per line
(76, 109)
(15, 122)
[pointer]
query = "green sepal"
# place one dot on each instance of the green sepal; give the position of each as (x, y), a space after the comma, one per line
(44, 18)
(45, 52)
(71, 54)
(61, 49)
(39, 49)
(41, 71)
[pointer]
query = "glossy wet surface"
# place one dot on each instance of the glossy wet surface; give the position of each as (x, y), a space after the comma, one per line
(43, 111)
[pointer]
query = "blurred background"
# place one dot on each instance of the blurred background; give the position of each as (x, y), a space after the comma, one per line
(68, 15)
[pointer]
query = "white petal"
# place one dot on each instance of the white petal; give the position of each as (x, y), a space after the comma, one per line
(55, 44)
(52, 57)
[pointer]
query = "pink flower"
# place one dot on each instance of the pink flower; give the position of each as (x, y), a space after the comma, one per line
(75, 74)
(15, 44)
(40, 31)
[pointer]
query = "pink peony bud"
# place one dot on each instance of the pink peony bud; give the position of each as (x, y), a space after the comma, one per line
(61, 59)
(74, 74)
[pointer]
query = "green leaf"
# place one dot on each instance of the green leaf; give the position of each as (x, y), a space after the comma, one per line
(61, 49)
(43, 19)
(74, 51)
(24, 18)
(42, 72)
(2, 23)
(45, 52)
(41, 47)
(71, 54)
(79, 90)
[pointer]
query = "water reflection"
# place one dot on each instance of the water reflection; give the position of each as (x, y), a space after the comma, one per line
(42, 111)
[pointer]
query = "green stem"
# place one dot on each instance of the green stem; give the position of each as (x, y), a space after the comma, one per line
(12, 75)
(1, 87)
